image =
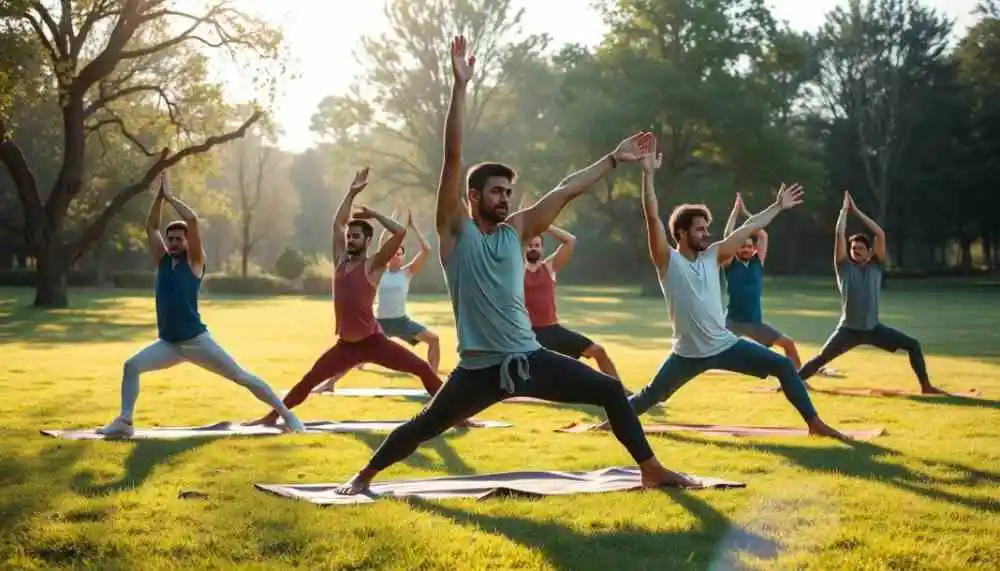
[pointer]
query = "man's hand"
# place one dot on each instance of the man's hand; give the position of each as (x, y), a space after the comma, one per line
(360, 180)
(409, 219)
(790, 196)
(462, 65)
(166, 191)
(364, 213)
(652, 161)
(634, 148)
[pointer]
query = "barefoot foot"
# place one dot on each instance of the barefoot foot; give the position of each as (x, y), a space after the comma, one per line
(819, 428)
(266, 420)
(932, 390)
(467, 423)
(659, 477)
(359, 484)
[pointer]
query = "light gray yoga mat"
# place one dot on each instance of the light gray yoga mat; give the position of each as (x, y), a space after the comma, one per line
(226, 428)
(484, 486)
(419, 394)
(876, 392)
(728, 430)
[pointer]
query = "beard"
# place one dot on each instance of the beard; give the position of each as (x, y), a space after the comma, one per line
(178, 253)
(744, 255)
(533, 256)
(495, 215)
(697, 245)
(353, 250)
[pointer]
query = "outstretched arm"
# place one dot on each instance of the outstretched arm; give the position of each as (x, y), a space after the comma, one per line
(450, 208)
(734, 216)
(418, 261)
(840, 238)
(343, 215)
(762, 245)
(388, 250)
(567, 243)
(879, 244)
(157, 248)
(196, 250)
(536, 219)
(788, 197)
(385, 235)
(656, 234)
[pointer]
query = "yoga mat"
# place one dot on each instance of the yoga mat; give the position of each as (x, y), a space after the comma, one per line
(874, 392)
(534, 484)
(653, 428)
(409, 393)
(227, 428)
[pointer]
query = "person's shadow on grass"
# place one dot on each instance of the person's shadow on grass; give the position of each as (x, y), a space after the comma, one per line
(453, 463)
(138, 466)
(714, 539)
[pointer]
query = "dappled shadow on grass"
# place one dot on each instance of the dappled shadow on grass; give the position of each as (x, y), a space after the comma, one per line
(567, 548)
(145, 456)
(24, 492)
(867, 461)
(453, 463)
(90, 319)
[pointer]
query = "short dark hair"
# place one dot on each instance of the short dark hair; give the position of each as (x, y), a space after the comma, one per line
(860, 238)
(402, 247)
(177, 225)
(366, 227)
(479, 174)
(683, 217)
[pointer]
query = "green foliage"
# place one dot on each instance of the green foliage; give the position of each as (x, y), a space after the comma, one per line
(290, 264)
(260, 284)
(134, 279)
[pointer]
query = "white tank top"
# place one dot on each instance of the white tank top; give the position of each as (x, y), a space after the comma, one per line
(694, 303)
(392, 292)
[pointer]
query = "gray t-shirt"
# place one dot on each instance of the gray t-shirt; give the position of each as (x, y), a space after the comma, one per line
(859, 286)
(694, 303)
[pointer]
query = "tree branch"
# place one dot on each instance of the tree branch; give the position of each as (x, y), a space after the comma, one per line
(50, 23)
(96, 228)
(99, 11)
(116, 120)
(105, 62)
(37, 26)
(24, 179)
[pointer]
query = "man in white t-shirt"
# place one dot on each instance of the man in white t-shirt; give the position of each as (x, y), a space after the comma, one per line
(689, 278)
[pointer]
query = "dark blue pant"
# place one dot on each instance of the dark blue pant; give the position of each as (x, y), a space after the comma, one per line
(744, 357)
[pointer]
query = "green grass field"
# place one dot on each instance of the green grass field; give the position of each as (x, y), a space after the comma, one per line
(926, 496)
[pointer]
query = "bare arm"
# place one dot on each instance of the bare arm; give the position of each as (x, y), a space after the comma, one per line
(536, 219)
(734, 216)
(762, 245)
(196, 250)
(343, 214)
(840, 238)
(787, 198)
(879, 244)
(567, 243)
(388, 250)
(418, 261)
(157, 248)
(450, 207)
(656, 233)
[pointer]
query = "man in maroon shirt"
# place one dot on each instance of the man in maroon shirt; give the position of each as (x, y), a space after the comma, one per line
(540, 299)
(360, 338)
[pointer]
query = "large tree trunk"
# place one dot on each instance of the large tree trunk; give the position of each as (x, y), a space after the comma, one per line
(52, 269)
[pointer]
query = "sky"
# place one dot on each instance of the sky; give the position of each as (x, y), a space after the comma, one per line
(322, 39)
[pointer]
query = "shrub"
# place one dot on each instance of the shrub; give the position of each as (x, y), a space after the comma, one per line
(263, 284)
(28, 278)
(134, 279)
(290, 264)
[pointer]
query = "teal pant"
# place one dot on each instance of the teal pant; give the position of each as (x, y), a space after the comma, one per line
(744, 357)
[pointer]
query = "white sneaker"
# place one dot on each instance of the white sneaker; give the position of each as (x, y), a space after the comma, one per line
(118, 427)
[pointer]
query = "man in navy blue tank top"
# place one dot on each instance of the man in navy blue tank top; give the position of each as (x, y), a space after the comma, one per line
(183, 337)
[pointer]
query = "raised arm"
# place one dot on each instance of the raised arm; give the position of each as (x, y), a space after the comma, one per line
(656, 234)
(567, 243)
(343, 215)
(386, 251)
(537, 218)
(840, 238)
(734, 216)
(762, 245)
(385, 234)
(788, 197)
(450, 207)
(876, 230)
(417, 263)
(157, 247)
(196, 250)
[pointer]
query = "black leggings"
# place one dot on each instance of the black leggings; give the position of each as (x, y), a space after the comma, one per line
(553, 377)
(886, 338)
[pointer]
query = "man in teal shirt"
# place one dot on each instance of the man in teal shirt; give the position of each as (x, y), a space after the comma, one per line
(859, 279)
(480, 246)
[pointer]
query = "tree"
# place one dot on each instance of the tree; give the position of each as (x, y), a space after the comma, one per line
(254, 160)
(873, 55)
(105, 57)
(393, 115)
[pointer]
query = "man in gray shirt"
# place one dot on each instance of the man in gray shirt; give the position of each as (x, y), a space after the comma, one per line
(859, 279)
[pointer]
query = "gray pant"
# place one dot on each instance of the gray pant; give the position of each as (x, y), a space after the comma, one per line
(202, 351)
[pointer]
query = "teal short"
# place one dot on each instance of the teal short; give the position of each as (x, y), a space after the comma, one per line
(402, 328)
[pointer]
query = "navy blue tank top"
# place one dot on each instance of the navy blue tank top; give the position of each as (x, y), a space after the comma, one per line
(177, 317)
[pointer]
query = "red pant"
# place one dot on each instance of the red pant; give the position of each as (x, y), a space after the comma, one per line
(344, 356)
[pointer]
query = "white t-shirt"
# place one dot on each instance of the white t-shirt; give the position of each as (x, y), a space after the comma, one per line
(694, 303)
(392, 292)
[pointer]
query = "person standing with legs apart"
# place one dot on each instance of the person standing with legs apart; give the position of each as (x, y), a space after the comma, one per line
(689, 278)
(183, 337)
(744, 279)
(480, 248)
(540, 299)
(859, 266)
(392, 296)
(355, 278)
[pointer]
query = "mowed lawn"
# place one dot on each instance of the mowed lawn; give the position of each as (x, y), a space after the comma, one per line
(926, 496)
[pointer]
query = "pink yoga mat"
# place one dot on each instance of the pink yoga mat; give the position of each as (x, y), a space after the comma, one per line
(227, 428)
(742, 431)
(484, 486)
